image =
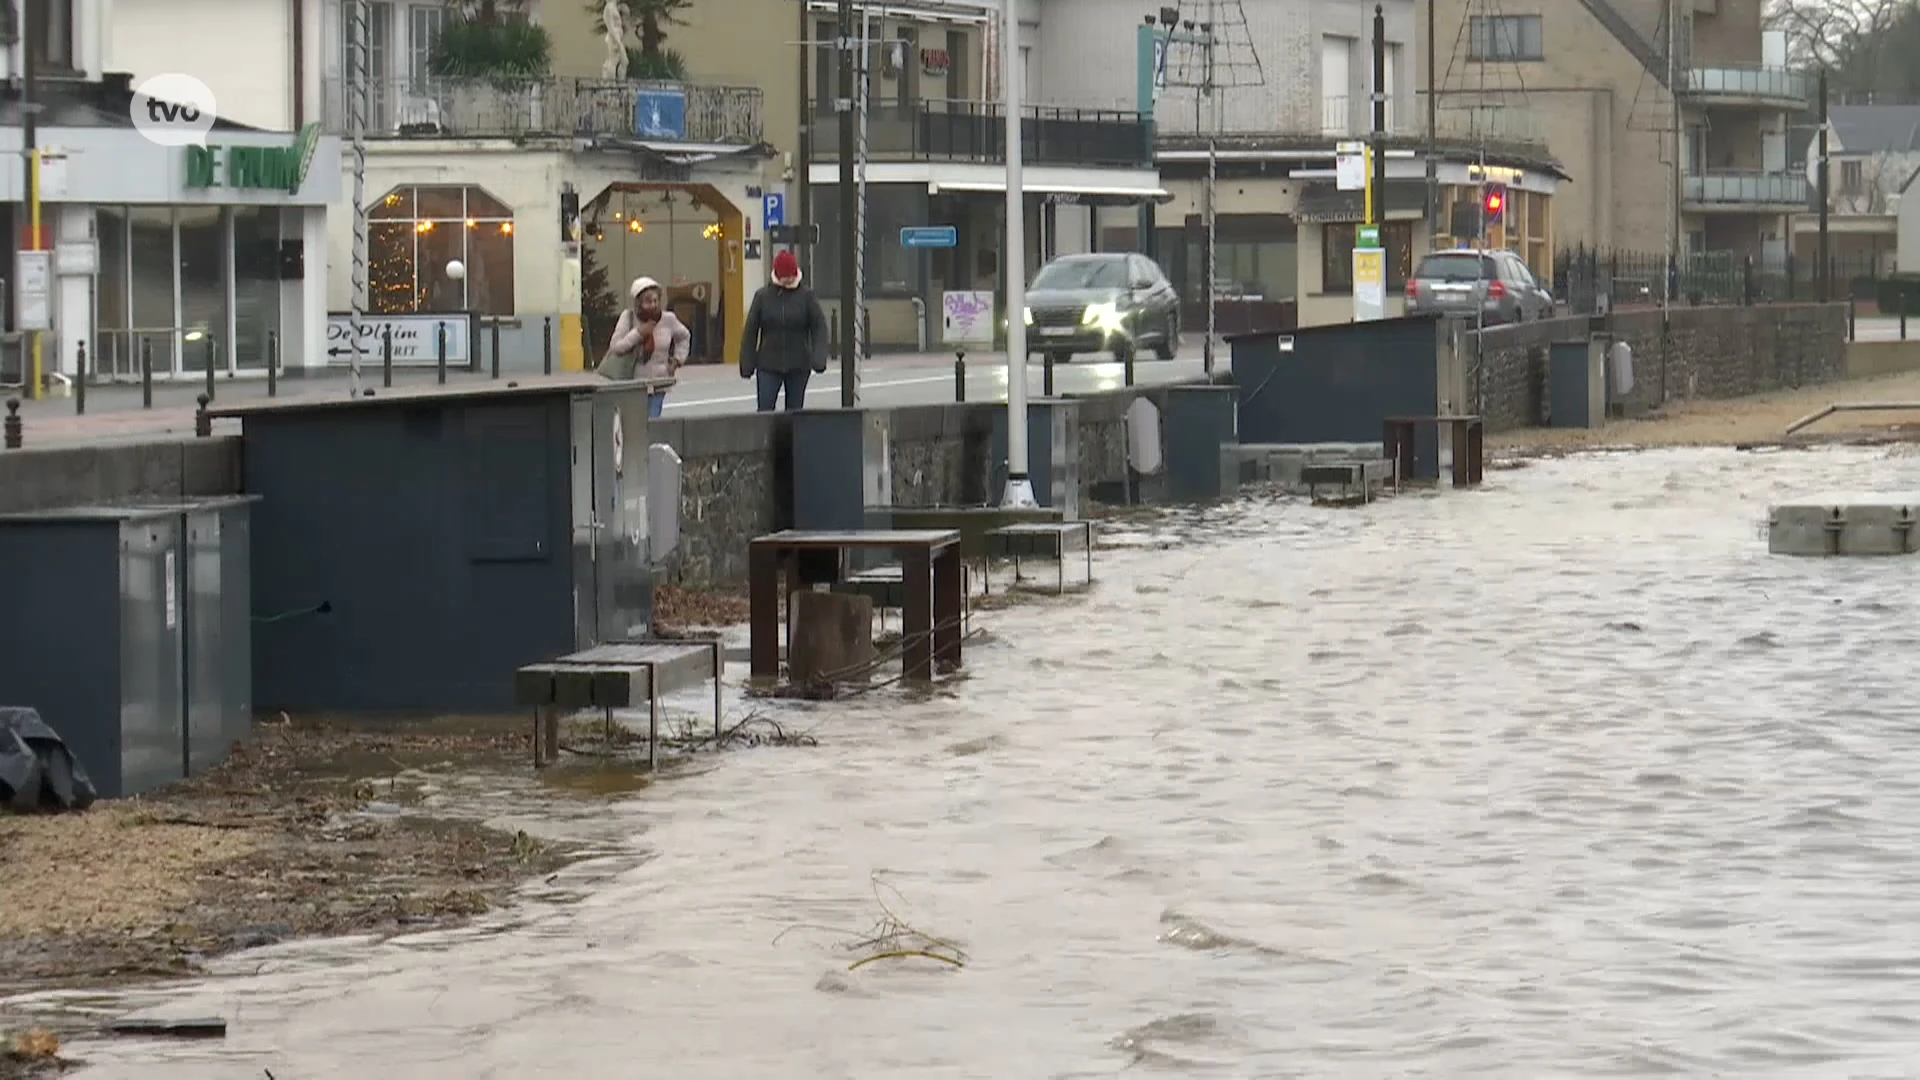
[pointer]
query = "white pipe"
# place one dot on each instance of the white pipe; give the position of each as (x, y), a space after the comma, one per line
(1019, 491)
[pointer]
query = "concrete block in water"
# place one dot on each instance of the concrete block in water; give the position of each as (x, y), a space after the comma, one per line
(1866, 526)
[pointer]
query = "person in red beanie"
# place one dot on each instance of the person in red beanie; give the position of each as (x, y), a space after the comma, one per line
(785, 341)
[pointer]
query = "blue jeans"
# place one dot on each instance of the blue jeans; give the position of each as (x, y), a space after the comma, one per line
(656, 404)
(768, 384)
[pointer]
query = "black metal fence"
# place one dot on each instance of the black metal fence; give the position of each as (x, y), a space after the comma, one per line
(1581, 276)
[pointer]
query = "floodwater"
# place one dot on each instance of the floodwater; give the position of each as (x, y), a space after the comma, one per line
(1563, 778)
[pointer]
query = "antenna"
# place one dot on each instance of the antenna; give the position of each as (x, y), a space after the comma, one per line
(1209, 50)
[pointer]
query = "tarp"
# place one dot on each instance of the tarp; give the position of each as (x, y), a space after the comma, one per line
(37, 771)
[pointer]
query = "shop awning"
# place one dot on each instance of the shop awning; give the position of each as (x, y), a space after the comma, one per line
(1086, 184)
(685, 153)
(1322, 201)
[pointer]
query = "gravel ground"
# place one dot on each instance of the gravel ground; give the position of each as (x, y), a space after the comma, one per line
(1760, 419)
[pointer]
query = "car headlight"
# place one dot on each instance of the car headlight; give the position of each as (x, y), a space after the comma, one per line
(1026, 316)
(1097, 314)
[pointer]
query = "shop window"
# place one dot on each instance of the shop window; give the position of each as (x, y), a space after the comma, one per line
(415, 232)
(1336, 255)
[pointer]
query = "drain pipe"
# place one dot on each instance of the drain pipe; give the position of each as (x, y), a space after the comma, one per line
(920, 322)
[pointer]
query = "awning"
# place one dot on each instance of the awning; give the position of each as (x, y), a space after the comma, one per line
(1085, 183)
(683, 153)
(1321, 202)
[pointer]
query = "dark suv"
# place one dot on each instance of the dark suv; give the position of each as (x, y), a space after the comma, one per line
(1099, 303)
(1494, 284)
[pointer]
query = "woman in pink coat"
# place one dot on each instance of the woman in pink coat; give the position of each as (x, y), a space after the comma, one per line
(648, 340)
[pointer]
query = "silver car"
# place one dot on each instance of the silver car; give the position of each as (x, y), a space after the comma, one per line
(1495, 286)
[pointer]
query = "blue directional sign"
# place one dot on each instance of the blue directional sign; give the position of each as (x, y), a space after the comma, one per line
(929, 236)
(773, 207)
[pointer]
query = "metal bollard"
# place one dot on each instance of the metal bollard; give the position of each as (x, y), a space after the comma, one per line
(80, 379)
(146, 373)
(1128, 366)
(202, 421)
(1903, 323)
(12, 425)
(1046, 374)
(1851, 335)
(440, 350)
(496, 348)
(386, 358)
(210, 351)
(273, 363)
(546, 343)
(960, 375)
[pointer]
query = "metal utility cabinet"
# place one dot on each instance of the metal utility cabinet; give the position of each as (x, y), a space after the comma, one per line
(842, 469)
(1053, 454)
(414, 548)
(132, 634)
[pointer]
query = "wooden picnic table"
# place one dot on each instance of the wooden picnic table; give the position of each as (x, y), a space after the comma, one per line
(931, 611)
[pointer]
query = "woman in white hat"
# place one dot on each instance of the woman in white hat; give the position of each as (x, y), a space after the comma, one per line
(648, 340)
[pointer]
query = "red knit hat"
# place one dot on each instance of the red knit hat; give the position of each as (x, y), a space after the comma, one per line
(786, 270)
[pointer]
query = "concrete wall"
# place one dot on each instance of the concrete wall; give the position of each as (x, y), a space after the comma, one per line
(1711, 352)
(76, 475)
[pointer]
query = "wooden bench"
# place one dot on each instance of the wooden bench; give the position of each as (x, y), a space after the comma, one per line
(1042, 540)
(1397, 434)
(617, 675)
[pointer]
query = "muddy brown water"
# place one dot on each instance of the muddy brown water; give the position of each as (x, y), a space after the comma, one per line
(1566, 777)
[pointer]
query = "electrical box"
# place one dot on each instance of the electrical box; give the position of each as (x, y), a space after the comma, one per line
(842, 469)
(131, 634)
(1577, 384)
(1053, 452)
(1199, 421)
(413, 549)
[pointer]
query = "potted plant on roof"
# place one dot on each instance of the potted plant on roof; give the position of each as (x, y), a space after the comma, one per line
(490, 63)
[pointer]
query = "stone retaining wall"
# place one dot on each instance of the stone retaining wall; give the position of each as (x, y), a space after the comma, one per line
(1708, 352)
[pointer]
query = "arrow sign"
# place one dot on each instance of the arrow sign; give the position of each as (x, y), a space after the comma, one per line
(929, 236)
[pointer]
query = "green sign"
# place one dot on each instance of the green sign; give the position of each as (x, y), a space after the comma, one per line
(254, 168)
(1369, 237)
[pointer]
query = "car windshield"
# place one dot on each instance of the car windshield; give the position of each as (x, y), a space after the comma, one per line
(1460, 266)
(1083, 274)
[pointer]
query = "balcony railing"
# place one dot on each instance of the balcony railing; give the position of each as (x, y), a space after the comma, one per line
(975, 131)
(1755, 82)
(1737, 190)
(486, 108)
(1344, 117)
(1500, 124)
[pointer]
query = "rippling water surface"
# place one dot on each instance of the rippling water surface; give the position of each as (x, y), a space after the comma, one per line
(1563, 778)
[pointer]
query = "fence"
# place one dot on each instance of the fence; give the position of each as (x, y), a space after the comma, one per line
(1640, 279)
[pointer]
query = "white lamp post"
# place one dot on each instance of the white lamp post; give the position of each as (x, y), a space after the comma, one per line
(1019, 493)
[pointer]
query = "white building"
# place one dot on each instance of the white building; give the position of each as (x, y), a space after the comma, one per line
(188, 265)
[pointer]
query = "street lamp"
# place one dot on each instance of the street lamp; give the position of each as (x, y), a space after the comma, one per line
(1019, 491)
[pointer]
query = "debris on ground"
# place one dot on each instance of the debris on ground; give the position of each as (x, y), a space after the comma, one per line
(189, 1027)
(306, 830)
(680, 612)
(29, 1054)
(891, 937)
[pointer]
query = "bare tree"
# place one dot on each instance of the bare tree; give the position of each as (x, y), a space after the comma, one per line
(1834, 33)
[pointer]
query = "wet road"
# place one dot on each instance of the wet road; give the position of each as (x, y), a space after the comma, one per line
(1564, 778)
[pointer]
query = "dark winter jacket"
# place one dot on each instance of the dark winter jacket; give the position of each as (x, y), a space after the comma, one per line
(786, 331)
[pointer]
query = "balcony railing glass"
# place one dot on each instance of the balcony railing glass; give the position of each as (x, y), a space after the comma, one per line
(1772, 83)
(511, 108)
(975, 131)
(1746, 189)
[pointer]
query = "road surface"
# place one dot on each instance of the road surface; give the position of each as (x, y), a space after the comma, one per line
(116, 413)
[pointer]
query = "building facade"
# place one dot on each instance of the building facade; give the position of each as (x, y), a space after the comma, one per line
(1285, 229)
(1613, 82)
(1873, 154)
(195, 257)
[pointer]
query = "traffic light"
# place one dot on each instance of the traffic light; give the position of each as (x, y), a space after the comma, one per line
(1496, 204)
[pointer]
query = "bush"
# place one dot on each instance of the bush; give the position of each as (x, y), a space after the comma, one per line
(494, 41)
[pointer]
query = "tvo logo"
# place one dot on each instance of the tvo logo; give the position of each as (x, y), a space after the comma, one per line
(173, 110)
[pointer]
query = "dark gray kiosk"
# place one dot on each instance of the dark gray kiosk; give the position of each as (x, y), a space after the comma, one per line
(413, 549)
(129, 632)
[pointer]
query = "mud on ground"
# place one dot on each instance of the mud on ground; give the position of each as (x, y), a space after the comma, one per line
(300, 833)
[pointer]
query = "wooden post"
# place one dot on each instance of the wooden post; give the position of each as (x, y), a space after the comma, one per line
(763, 597)
(947, 606)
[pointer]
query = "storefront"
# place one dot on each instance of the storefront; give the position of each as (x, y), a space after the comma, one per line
(188, 253)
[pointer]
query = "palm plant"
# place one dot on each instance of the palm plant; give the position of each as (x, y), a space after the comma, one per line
(490, 39)
(650, 21)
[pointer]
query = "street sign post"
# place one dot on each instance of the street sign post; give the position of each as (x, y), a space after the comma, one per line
(773, 207)
(929, 236)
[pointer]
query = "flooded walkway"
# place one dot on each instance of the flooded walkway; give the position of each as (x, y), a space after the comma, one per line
(1563, 778)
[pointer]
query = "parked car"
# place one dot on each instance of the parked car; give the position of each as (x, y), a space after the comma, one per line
(1494, 284)
(1116, 302)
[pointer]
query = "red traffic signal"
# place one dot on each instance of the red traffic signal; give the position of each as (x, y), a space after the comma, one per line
(1496, 204)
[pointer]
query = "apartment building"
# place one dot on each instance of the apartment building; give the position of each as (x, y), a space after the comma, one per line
(1284, 228)
(1873, 155)
(1613, 80)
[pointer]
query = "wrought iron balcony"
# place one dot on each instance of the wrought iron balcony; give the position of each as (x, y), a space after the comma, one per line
(975, 131)
(1346, 118)
(1745, 192)
(1755, 84)
(514, 108)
